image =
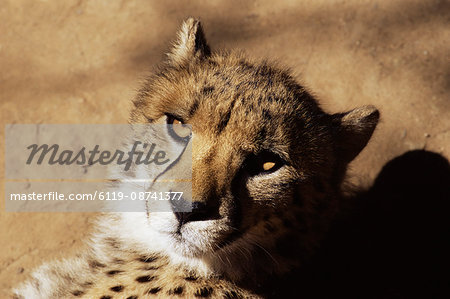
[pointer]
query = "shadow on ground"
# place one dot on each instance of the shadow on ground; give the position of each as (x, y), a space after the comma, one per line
(394, 241)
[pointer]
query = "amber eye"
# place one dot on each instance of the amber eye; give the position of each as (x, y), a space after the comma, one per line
(268, 166)
(177, 128)
(265, 162)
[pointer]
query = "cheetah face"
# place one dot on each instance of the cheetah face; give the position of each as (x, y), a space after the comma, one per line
(267, 162)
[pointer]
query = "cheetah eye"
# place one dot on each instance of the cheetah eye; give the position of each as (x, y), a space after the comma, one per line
(177, 128)
(263, 163)
(268, 165)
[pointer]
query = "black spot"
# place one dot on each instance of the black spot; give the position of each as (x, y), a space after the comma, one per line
(207, 90)
(226, 118)
(145, 278)
(193, 108)
(77, 293)
(96, 264)
(274, 98)
(154, 290)
(263, 70)
(231, 295)
(262, 134)
(203, 292)
(224, 121)
(113, 272)
(190, 278)
(105, 297)
(245, 65)
(117, 289)
(132, 297)
(176, 291)
(266, 114)
(147, 259)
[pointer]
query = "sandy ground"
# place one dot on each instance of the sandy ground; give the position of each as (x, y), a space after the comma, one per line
(81, 62)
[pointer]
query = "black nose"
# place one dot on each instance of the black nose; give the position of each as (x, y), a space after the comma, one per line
(200, 212)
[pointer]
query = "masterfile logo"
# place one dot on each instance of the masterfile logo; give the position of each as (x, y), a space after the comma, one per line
(138, 167)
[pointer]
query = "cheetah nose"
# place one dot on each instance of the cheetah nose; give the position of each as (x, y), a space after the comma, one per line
(200, 212)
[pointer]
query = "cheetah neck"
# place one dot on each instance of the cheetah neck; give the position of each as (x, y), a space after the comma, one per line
(237, 263)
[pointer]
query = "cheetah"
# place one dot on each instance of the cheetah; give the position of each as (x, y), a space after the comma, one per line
(268, 165)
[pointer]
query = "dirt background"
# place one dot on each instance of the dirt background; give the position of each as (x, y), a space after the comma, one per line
(81, 62)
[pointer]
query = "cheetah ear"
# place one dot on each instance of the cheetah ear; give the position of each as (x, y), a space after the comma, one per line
(190, 44)
(353, 130)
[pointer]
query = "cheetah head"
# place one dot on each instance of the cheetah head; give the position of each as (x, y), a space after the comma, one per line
(267, 161)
